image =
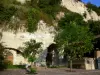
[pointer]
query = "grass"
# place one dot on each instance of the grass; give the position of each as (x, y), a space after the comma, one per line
(15, 67)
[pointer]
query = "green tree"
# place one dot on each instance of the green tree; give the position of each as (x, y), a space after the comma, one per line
(75, 39)
(70, 16)
(94, 27)
(31, 49)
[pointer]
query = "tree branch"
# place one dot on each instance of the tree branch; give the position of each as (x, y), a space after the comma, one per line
(18, 51)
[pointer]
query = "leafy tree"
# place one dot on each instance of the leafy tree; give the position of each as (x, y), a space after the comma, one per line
(74, 38)
(94, 27)
(70, 16)
(6, 13)
(31, 49)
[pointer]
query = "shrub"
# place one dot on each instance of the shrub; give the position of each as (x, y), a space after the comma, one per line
(94, 27)
(33, 70)
(33, 19)
(6, 13)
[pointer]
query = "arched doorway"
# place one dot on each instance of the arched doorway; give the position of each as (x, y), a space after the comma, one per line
(52, 57)
(9, 57)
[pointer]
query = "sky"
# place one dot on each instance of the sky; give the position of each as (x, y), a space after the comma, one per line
(95, 2)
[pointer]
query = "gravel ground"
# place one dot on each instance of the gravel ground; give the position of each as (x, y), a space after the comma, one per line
(66, 72)
(44, 71)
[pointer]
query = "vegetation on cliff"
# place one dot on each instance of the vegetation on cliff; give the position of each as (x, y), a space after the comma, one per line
(30, 12)
(93, 7)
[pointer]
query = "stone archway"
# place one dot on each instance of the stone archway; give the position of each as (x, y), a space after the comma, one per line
(52, 57)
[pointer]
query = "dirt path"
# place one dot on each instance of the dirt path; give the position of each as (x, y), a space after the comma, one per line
(43, 71)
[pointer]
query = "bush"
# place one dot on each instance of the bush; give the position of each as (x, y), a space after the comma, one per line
(33, 19)
(33, 70)
(94, 27)
(68, 19)
(7, 13)
(3, 65)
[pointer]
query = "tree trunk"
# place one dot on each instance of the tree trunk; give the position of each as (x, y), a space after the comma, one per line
(71, 65)
(32, 65)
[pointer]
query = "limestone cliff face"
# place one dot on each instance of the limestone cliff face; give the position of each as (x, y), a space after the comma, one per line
(79, 7)
(22, 1)
(44, 33)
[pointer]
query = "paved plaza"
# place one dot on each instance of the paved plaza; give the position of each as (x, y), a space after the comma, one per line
(44, 71)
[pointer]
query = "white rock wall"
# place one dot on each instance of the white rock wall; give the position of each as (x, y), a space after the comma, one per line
(43, 34)
(22, 1)
(79, 7)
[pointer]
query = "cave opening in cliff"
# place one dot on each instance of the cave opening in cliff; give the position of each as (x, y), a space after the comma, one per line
(52, 55)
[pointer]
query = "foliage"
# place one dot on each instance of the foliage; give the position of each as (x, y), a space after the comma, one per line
(33, 19)
(34, 15)
(76, 39)
(48, 15)
(3, 64)
(15, 66)
(34, 3)
(73, 36)
(44, 3)
(94, 27)
(31, 49)
(6, 3)
(30, 13)
(93, 7)
(31, 58)
(6, 13)
(53, 5)
(68, 18)
(33, 70)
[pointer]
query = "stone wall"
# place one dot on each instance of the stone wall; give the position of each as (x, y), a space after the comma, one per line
(44, 34)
